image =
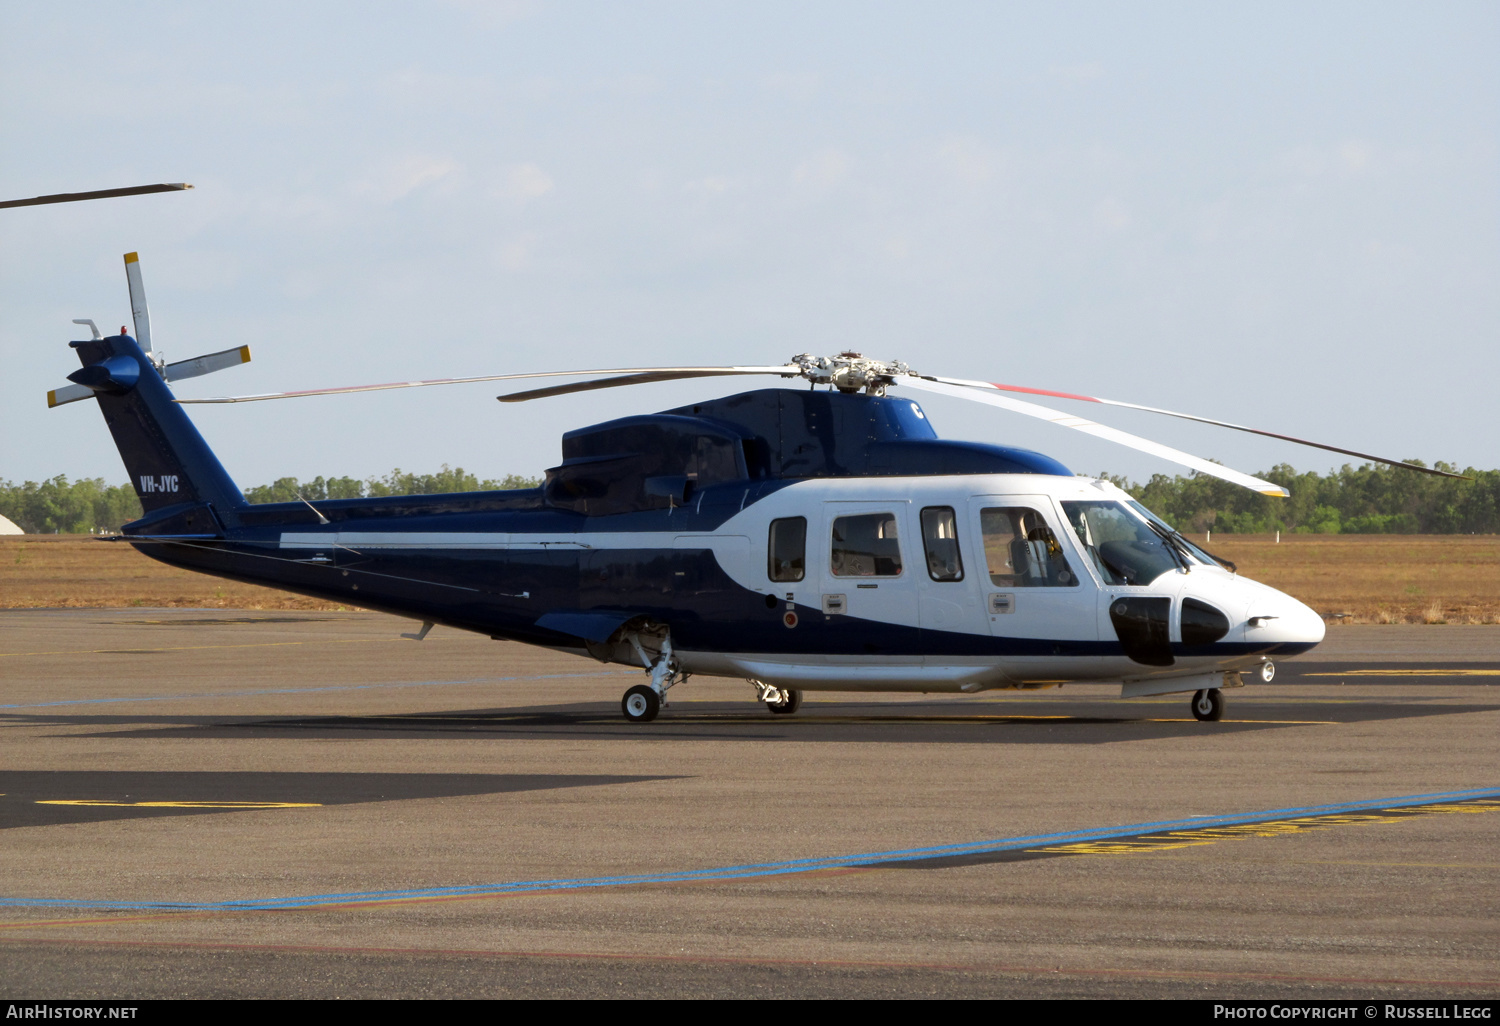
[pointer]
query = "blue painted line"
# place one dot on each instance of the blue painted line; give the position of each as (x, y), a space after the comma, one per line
(750, 871)
(300, 691)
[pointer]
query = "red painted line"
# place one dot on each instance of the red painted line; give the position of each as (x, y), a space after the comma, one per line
(1043, 391)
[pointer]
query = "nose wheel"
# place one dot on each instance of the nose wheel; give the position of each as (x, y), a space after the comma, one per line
(1208, 705)
(790, 703)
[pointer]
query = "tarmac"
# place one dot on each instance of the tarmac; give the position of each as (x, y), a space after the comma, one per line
(210, 803)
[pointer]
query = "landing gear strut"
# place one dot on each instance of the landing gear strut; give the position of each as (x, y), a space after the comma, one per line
(1208, 704)
(642, 702)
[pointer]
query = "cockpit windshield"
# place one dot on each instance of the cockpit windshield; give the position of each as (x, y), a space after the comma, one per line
(1123, 547)
(1202, 555)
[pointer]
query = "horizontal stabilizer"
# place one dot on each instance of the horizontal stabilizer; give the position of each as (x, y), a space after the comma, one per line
(200, 365)
(68, 394)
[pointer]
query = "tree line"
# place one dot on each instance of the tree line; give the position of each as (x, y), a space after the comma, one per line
(1370, 499)
(79, 507)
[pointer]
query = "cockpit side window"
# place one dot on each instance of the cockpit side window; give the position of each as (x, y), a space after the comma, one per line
(866, 546)
(1020, 550)
(940, 542)
(1123, 549)
(786, 549)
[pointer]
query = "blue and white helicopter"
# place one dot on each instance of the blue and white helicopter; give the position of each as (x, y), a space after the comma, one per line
(803, 539)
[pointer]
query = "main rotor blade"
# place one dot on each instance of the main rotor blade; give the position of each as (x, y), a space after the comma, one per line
(1166, 452)
(642, 378)
(627, 371)
(1200, 420)
(73, 197)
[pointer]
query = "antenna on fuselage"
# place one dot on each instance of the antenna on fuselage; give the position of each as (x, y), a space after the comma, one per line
(321, 518)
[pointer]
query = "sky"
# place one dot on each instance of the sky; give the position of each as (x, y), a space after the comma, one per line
(1278, 214)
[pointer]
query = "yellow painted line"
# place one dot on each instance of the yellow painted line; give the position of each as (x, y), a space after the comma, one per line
(100, 803)
(824, 721)
(1335, 862)
(1192, 837)
(1408, 673)
(1402, 865)
(1281, 723)
(816, 719)
(191, 648)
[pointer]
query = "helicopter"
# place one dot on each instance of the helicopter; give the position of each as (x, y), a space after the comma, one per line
(802, 539)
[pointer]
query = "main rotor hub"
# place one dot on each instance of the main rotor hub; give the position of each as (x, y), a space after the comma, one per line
(850, 372)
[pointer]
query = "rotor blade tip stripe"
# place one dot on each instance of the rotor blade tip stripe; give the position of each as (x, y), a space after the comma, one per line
(1043, 391)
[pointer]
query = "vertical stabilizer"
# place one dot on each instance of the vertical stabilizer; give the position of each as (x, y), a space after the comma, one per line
(168, 460)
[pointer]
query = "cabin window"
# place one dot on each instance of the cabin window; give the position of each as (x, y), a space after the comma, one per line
(1020, 550)
(787, 549)
(866, 546)
(940, 541)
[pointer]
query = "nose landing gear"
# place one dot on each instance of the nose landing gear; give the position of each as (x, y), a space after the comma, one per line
(1208, 705)
(779, 700)
(789, 704)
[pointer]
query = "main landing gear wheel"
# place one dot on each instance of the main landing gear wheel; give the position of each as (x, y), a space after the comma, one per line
(640, 704)
(1208, 704)
(787, 706)
(1268, 671)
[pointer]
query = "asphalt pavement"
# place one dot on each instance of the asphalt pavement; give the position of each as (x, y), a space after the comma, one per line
(206, 803)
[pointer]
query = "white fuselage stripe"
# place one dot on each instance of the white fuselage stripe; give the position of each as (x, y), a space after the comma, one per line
(496, 540)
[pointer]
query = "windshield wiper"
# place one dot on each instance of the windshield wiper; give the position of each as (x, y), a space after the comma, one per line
(1174, 544)
(1164, 529)
(1195, 547)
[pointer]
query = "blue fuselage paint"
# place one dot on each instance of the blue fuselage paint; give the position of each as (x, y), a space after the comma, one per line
(503, 590)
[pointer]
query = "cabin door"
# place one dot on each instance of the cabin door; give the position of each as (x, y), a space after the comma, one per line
(870, 556)
(948, 577)
(1032, 589)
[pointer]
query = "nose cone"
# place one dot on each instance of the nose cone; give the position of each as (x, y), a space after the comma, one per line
(1278, 619)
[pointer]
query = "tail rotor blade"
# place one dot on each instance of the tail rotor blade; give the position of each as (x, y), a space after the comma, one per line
(1166, 452)
(68, 394)
(206, 364)
(138, 308)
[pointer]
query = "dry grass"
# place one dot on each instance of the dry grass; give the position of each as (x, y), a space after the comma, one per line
(66, 570)
(1388, 578)
(1367, 578)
